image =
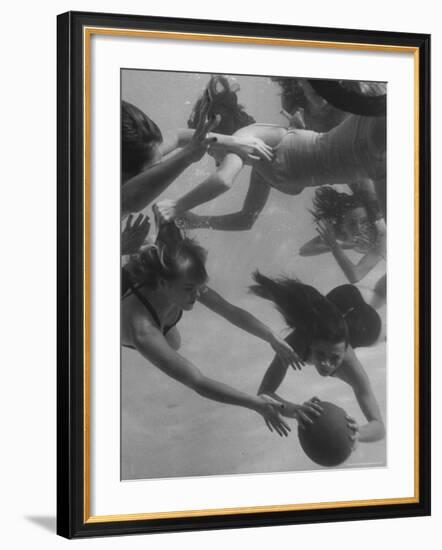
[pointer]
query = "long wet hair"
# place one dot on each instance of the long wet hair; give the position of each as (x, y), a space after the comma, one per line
(331, 205)
(173, 256)
(304, 308)
(224, 102)
(139, 135)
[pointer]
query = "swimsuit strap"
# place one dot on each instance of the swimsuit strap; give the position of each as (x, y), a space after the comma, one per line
(149, 306)
(177, 320)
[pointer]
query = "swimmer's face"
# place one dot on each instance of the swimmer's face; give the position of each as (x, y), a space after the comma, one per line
(327, 357)
(183, 292)
(355, 223)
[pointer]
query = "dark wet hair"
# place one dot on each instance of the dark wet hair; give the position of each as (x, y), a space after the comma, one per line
(139, 134)
(363, 321)
(171, 257)
(224, 102)
(294, 98)
(303, 308)
(331, 205)
(291, 92)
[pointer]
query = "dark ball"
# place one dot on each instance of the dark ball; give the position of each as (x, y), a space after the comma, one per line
(327, 441)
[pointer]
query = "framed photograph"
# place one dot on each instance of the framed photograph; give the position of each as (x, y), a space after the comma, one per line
(231, 351)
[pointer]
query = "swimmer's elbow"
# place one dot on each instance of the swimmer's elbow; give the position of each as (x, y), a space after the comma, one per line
(381, 430)
(354, 277)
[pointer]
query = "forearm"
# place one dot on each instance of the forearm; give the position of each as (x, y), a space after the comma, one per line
(314, 247)
(347, 266)
(374, 430)
(157, 351)
(185, 135)
(142, 189)
(237, 221)
(217, 391)
(249, 323)
(273, 377)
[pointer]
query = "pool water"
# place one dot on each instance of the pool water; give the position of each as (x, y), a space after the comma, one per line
(167, 430)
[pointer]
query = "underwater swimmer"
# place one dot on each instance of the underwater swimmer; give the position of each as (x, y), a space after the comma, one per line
(351, 151)
(163, 281)
(326, 331)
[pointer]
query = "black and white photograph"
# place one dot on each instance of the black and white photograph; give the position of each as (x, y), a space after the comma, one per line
(253, 274)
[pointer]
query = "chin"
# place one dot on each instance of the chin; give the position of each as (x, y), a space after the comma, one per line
(188, 307)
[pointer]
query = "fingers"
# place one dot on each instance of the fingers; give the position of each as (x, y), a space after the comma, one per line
(303, 420)
(265, 152)
(312, 408)
(207, 127)
(202, 115)
(281, 427)
(129, 221)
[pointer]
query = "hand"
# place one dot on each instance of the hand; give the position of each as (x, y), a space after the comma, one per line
(305, 413)
(353, 425)
(200, 141)
(297, 119)
(327, 233)
(362, 243)
(250, 149)
(270, 409)
(165, 211)
(286, 353)
(134, 234)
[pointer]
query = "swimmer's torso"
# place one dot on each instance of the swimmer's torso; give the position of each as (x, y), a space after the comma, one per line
(303, 158)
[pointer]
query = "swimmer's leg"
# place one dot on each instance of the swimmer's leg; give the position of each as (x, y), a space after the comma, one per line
(242, 220)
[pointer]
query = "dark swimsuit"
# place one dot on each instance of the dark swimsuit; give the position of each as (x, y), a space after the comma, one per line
(128, 285)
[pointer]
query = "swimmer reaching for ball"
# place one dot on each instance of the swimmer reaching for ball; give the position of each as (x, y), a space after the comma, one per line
(326, 331)
(163, 281)
(351, 151)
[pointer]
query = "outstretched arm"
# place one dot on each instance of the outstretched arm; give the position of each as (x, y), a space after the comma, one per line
(143, 188)
(354, 374)
(274, 376)
(152, 345)
(249, 323)
(242, 220)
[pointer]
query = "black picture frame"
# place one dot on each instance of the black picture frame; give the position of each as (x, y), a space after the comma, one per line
(73, 520)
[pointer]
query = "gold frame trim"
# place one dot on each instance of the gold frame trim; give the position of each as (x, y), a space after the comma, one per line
(87, 34)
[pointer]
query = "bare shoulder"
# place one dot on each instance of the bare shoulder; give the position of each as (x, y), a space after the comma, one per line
(135, 320)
